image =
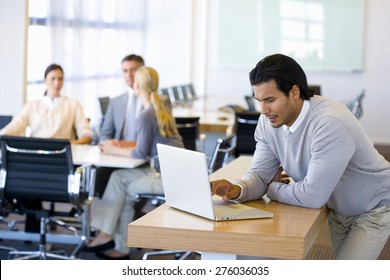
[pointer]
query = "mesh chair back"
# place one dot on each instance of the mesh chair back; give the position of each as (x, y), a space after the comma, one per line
(246, 123)
(188, 129)
(36, 169)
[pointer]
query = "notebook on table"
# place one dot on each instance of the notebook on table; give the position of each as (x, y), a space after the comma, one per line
(187, 187)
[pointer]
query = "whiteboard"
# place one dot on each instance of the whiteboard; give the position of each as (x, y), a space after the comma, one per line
(322, 35)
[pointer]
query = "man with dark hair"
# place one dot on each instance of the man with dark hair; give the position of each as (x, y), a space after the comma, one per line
(116, 120)
(320, 145)
(119, 123)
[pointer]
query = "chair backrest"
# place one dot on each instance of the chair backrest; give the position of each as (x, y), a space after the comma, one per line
(250, 101)
(245, 127)
(189, 92)
(223, 148)
(103, 101)
(181, 95)
(315, 89)
(4, 120)
(356, 106)
(41, 170)
(188, 128)
(178, 94)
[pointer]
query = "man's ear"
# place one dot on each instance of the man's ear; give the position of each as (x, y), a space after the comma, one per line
(295, 92)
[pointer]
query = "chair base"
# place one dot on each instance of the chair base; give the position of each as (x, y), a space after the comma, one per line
(39, 255)
(179, 255)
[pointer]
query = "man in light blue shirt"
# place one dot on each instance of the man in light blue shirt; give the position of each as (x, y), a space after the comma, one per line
(321, 145)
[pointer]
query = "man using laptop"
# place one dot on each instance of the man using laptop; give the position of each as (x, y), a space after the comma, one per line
(323, 148)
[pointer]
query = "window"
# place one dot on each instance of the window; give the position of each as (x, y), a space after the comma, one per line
(88, 38)
(302, 29)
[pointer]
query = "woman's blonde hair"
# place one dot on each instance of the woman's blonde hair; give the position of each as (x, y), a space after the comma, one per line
(147, 80)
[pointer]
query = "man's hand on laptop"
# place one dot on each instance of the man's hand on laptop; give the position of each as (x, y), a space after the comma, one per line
(225, 189)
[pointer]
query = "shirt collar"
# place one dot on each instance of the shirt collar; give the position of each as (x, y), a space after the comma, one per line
(130, 92)
(301, 117)
(52, 102)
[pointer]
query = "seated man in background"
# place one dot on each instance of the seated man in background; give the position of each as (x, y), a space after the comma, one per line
(322, 146)
(119, 123)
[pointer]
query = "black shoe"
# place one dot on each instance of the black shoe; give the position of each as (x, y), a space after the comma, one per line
(103, 247)
(105, 257)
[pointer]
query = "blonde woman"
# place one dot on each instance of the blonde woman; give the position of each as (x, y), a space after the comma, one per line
(155, 124)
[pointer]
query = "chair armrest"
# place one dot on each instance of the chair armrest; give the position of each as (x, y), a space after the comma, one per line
(139, 196)
(84, 179)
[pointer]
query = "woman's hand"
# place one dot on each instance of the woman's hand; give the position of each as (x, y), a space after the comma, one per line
(113, 147)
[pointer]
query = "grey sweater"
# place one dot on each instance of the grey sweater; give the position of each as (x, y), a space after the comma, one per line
(330, 158)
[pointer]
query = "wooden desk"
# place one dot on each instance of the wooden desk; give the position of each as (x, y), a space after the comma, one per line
(88, 154)
(289, 234)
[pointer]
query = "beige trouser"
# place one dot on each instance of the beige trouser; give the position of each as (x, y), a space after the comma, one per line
(116, 210)
(360, 237)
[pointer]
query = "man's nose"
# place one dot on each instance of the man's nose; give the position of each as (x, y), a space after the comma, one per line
(264, 109)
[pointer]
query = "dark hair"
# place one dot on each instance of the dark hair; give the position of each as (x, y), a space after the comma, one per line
(52, 67)
(134, 57)
(284, 70)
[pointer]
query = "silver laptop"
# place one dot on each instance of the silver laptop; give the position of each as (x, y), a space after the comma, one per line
(187, 187)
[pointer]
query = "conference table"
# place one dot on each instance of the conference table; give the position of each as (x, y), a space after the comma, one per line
(288, 235)
(90, 154)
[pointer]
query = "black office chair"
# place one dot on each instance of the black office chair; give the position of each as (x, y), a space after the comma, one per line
(245, 127)
(169, 93)
(36, 169)
(250, 101)
(356, 106)
(188, 128)
(315, 89)
(4, 120)
(192, 91)
(11, 225)
(223, 149)
(178, 94)
(103, 102)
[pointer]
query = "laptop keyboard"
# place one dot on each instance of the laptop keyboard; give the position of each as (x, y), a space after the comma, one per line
(231, 210)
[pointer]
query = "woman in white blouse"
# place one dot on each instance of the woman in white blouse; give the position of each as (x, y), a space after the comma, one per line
(53, 116)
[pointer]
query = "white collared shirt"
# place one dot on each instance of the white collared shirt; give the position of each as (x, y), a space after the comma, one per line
(301, 117)
(138, 106)
(52, 102)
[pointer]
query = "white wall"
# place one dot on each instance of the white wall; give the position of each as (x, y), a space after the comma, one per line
(13, 20)
(338, 86)
(181, 43)
(168, 40)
